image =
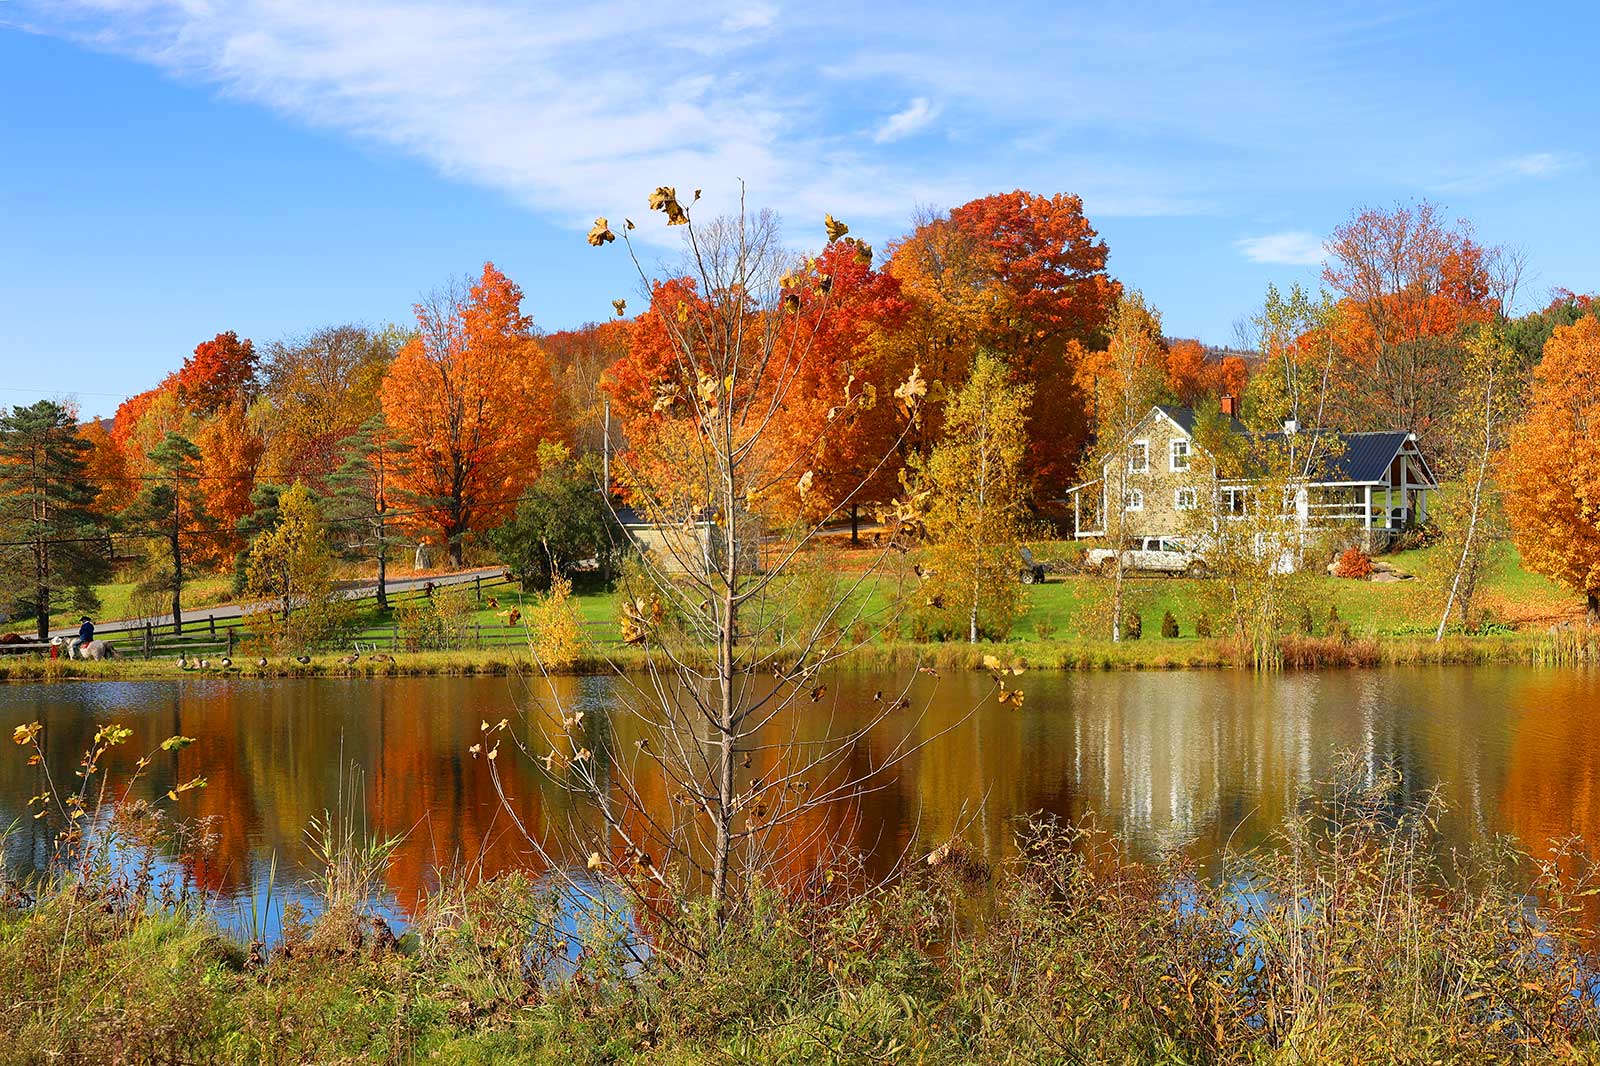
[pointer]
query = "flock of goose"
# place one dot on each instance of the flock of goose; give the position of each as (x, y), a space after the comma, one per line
(225, 664)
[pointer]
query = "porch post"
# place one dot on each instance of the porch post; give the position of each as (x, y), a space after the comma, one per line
(1077, 516)
(1405, 501)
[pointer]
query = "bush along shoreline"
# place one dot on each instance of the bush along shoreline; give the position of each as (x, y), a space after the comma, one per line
(1346, 941)
(1570, 647)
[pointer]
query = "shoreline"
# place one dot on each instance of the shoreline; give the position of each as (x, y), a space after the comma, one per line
(1573, 648)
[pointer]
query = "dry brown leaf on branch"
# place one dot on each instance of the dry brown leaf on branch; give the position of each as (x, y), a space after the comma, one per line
(836, 229)
(665, 200)
(911, 391)
(601, 233)
(620, 306)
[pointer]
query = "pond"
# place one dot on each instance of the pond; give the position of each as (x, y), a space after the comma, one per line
(1192, 761)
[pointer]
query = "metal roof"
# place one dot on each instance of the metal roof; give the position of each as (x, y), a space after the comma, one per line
(1363, 458)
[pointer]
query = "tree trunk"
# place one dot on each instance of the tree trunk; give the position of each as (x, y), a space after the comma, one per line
(44, 612)
(383, 570)
(1593, 612)
(972, 619)
(177, 587)
(725, 713)
(855, 523)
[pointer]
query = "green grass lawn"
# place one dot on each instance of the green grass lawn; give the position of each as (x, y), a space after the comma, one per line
(1060, 610)
(116, 600)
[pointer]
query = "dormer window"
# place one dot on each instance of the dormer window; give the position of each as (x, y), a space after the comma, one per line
(1139, 457)
(1180, 455)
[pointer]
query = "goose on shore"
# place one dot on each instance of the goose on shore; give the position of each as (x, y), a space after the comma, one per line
(381, 657)
(183, 662)
(350, 660)
(261, 663)
(227, 663)
(303, 660)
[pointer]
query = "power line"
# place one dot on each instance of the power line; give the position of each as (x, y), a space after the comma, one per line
(226, 530)
(60, 392)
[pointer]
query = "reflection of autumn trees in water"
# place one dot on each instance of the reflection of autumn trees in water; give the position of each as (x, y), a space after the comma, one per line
(1190, 761)
(1552, 781)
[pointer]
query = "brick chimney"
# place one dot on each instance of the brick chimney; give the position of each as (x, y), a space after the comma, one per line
(1230, 405)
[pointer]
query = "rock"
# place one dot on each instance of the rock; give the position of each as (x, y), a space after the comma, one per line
(1388, 577)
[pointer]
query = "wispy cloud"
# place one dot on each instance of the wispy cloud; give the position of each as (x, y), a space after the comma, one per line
(917, 116)
(1289, 248)
(577, 110)
(1534, 166)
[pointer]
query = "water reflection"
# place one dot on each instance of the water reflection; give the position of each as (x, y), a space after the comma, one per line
(1187, 761)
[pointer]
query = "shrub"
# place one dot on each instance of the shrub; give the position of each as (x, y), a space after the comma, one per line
(1353, 563)
(1338, 628)
(1044, 628)
(1202, 625)
(436, 623)
(1169, 625)
(557, 632)
(1132, 626)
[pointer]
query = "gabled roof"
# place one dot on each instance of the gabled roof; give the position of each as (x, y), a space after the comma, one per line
(1362, 457)
(1184, 417)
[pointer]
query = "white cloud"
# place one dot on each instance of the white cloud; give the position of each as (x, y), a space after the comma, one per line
(756, 16)
(917, 116)
(1535, 166)
(579, 110)
(1289, 248)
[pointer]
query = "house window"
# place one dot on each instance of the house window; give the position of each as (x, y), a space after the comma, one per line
(1133, 501)
(1139, 457)
(1180, 455)
(1183, 499)
(1233, 502)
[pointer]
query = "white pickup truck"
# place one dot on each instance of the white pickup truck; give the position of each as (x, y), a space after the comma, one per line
(1162, 555)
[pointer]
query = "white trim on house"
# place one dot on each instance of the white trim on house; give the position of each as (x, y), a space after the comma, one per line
(1133, 500)
(1144, 449)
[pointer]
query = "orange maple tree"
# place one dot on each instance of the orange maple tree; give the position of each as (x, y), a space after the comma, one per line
(1193, 375)
(1023, 275)
(471, 395)
(1551, 469)
(662, 462)
(106, 468)
(1409, 284)
(838, 421)
(230, 452)
(219, 370)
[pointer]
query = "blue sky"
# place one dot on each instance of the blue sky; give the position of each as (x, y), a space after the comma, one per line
(172, 168)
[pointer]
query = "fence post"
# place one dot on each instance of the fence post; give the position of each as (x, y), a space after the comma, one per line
(211, 620)
(230, 642)
(147, 640)
(479, 640)
(477, 587)
(394, 641)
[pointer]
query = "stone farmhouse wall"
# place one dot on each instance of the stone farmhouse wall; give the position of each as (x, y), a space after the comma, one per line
(1160, 516)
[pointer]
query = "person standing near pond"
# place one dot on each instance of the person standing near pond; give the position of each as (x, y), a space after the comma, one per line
(85, 633)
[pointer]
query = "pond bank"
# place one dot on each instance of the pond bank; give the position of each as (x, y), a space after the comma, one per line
(1568, 648)
(1354, 946)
